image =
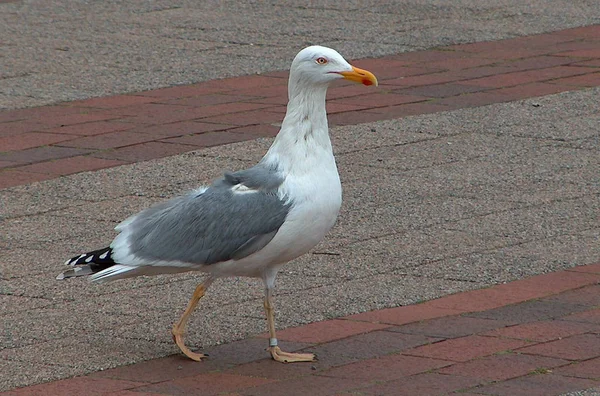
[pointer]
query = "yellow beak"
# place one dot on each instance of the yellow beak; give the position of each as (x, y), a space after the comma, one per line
(360, 76)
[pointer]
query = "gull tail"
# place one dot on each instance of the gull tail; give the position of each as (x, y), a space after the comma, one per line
(88, 263)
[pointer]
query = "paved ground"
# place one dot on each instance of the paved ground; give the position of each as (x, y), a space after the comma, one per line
(538, 336)
(53, 51)
(41, 144)
(458, 199)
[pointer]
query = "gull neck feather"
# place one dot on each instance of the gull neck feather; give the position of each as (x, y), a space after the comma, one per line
(304, 132)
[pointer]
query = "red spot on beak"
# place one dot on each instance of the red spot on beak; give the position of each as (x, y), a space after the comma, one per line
(367, 82)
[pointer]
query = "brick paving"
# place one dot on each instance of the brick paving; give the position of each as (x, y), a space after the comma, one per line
(43, 143)
(536, 336)
(399, 353)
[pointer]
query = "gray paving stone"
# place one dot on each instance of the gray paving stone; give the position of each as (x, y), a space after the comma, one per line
(61, 53)
(514, 195)
(16, 372)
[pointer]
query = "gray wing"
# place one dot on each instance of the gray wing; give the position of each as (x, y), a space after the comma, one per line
(215, 225)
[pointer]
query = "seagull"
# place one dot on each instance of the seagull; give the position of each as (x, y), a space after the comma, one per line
(249, 222)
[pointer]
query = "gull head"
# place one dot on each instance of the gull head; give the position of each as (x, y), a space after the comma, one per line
(316, 65)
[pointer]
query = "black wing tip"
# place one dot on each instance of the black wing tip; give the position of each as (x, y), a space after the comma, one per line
(100, 256)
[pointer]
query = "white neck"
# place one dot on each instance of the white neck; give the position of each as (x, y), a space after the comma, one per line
(304, 132)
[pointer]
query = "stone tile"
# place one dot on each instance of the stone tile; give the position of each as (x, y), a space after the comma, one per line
(304, 385)
(530, 311)
(367, 346)
(181, 128)
(478, 300)
(13, 128)
(158, 370)
(586, 80)
(31, 230)
(269, 368)
(92, 128)
(10, 178)
(73, 118)
(6, 164)
(110, 101)
(143, 151)
(543, 331)
(465, 348)
(588, 295)
(513, 262)
(262, 130)
(403, 315)
(341, 107)
(39, 154)
(523, 77)
(409, 109)
(442, 90)
(540, 62)
(354, 117)
(386, 368)
(111, 210)
(577, 347)
(209, 139)
(243, 118)
(502, 367)
(78, 386)
(209, 383)
(447, 149)
(334, 93)
(590, 268)
(15, 373)
(100, 353)
(423, 384)
(587, 53)
(227, 357)
(450, 326)
(180, 91)
(516, 226)
(109, 140)
(272, 94)
(426, 79)
(326, 331)
(10, 304)
(587, 369)
(210, 99)
(68, 166)
(592, 316)
(380, 99)
(475, 99)
(536, 385)
(531, 90)
(24, 203)
(31, 139)
(59, 323)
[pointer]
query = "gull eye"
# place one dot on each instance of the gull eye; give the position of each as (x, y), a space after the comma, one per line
(321, 61)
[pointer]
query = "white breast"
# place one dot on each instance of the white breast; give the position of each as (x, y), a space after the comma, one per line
(316, 197)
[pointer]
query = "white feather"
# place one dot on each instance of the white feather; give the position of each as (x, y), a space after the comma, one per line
(303, 154)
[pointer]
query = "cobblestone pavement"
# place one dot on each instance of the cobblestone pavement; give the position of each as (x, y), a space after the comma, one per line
(470, 166)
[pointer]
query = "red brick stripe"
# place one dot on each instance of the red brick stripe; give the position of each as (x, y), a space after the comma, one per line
(105, 132)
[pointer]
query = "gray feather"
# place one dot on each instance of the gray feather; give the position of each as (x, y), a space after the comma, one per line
(260, 177)
(215, 225)
(77, 271)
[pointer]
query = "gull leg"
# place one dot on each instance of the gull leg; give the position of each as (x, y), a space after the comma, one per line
(276, 353)
(179, 327)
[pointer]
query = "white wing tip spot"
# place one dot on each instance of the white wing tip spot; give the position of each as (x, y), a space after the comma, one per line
(242, 189)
